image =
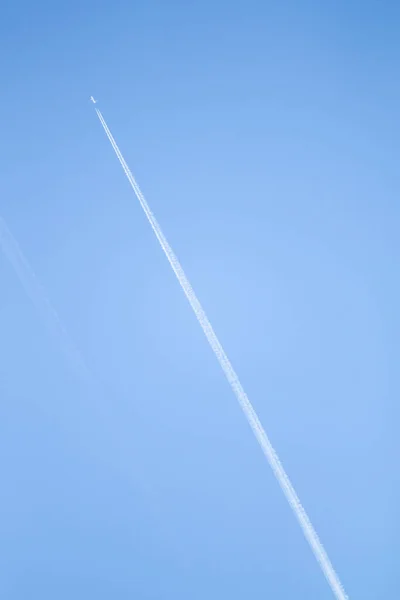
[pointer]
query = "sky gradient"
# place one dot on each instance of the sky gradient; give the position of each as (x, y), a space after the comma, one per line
(265, 138)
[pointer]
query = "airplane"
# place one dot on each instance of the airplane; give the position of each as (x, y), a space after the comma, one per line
(93, 100)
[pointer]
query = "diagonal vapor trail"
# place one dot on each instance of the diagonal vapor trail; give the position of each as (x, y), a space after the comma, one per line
(95, 431)
(38, 296)
(250, 414)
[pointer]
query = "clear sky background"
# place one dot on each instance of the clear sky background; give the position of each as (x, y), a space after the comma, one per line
(265, 136)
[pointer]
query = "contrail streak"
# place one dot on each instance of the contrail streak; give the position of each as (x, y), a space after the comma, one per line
(37, 294)
(97, 428)
(251, 416)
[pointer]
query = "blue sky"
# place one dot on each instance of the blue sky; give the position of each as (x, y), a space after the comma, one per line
(265, 137)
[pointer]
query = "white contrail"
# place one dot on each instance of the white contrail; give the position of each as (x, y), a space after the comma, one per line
(98, 431)
(254, 422)
(37, 294)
